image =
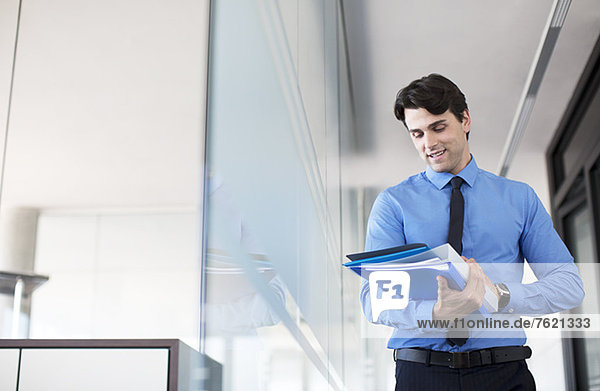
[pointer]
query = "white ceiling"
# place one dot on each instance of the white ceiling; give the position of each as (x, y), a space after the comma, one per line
(107, 106)
(88, 142)
(487, 48)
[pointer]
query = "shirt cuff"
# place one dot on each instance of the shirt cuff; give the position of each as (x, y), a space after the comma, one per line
(424, 311)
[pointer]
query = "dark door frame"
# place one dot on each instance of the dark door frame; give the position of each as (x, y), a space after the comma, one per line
(570, 190)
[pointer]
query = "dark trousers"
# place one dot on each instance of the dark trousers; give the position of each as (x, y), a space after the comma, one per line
(510, 376)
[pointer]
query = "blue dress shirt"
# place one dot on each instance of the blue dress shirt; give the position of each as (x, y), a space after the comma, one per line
(504, 223)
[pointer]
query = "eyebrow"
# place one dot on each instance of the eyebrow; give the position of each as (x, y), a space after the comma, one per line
(430, 126)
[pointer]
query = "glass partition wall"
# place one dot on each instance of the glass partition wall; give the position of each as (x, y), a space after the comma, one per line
(103, 104)
(278, 113)
(147, 227)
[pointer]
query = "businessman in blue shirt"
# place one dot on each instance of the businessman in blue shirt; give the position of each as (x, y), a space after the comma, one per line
(494, 223)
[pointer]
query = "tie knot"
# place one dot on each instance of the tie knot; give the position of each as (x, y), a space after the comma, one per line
(456, 182)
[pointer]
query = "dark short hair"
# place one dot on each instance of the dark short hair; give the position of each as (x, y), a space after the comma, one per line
(435, 93)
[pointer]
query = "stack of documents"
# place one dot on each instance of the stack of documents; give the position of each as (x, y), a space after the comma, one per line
(394, 256)
(415, 267)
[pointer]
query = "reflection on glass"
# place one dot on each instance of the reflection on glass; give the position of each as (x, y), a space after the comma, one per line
(273, 263)
(243, 327)
(235, 307)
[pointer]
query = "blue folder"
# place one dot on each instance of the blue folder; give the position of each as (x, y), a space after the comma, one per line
(423, 282)
(385, 255)
(423, 285)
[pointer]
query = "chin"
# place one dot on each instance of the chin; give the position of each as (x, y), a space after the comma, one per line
(438, 167)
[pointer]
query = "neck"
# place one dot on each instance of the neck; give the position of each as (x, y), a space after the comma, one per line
(464, 162)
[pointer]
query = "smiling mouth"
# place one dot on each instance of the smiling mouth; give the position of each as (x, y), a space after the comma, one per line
(436, 154)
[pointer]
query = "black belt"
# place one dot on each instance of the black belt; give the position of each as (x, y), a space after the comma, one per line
(470, 359)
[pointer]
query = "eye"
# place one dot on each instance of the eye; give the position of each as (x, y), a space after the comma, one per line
(416, 134)
(439, 128)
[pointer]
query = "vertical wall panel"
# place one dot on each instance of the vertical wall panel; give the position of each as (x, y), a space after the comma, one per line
(275, 199)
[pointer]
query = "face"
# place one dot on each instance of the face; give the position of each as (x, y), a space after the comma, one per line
(441, 140)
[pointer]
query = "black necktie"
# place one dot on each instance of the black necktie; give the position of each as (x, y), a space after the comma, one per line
(457, 215)
(455, 231)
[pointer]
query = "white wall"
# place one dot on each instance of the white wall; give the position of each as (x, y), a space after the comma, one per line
(116, 275)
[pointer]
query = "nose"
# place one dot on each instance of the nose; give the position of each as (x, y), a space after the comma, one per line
(430, 140)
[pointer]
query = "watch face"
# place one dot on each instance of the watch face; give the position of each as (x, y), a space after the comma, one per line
(502, 289)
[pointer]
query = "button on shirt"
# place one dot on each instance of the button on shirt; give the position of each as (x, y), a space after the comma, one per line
(504, 223)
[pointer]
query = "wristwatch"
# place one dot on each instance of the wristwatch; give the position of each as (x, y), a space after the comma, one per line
(504, 295)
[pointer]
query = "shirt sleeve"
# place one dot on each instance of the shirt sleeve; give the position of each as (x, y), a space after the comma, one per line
(385, 229)
(559, 286)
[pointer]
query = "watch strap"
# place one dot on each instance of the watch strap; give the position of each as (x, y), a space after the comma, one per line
(504, 297)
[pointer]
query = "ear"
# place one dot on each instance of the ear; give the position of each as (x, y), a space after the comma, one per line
(466, 122)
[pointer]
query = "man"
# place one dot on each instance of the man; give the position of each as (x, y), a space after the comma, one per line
(495, 223)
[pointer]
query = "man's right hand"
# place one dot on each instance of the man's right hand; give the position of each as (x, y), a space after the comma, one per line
(457, 304)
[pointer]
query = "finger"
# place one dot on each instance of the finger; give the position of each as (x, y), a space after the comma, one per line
(484, 277)
(442, 283)
(475, 277)
(441, 291)
(474, 272)
(443, 288)
(478, 277)
(477, 280)
(482, 288)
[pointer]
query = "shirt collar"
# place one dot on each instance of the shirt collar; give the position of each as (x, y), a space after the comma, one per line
(441, 179)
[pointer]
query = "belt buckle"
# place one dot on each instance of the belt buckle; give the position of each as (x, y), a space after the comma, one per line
(460, 360)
